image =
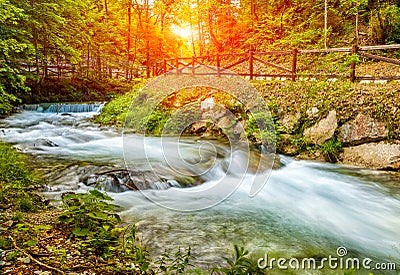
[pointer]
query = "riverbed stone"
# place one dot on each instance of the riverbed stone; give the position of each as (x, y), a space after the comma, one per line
(373, 155)
(214, 114)
(198, 127)
(323, 130)
(239, 131)
(44, 142)
(227, 121)
(362, 129)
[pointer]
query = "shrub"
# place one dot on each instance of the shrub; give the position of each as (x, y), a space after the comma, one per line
(241, 263)
(92, 218)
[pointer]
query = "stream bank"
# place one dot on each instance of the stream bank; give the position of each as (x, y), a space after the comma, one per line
(74, 90)
(334, 121)
(356, 124)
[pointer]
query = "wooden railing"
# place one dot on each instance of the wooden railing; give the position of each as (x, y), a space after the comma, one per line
(334, 63)
(283, 64)
(68, 70)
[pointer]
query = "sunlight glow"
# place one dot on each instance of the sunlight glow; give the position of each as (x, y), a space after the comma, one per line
(184, 32)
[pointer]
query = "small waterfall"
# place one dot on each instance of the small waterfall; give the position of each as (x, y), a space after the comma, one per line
(65, 108)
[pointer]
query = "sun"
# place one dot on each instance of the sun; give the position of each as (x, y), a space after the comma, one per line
(184, 32)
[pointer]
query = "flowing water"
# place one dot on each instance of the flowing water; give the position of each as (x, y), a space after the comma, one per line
(306, 209)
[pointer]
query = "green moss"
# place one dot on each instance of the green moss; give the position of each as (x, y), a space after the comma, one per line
(114, 113)
(16, 178)
(331, 149)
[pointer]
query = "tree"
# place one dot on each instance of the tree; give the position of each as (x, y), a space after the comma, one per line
(13, 49)
(384, 22)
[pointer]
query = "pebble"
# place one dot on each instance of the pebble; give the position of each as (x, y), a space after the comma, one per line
(25, 260)
(7, 224)
(2, 253)
(2, 264)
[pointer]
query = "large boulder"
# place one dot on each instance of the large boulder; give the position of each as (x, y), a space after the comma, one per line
(198, 127)
(373, 155)
(289, 122)
(227, 122)
(120, 180)
(215, 113)
(239, 131)
(362, 129)
(323, 130)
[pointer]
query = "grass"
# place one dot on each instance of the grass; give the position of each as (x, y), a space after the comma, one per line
(17, 180)
(114, 113)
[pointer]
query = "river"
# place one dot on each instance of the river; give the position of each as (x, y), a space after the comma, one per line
(306, 209)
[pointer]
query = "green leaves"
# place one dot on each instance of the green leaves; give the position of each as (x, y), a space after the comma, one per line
(13, 46)
(176, 263)
(88, 211)
(9, 14)
(93, 219)
(240, 264)
(79, 232)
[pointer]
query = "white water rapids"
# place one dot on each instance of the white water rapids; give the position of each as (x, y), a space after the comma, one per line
(306, 208)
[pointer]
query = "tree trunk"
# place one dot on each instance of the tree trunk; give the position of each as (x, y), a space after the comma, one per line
(216, 43)
(253, 8)
(200, 29)
(106, 8)
(129, 39)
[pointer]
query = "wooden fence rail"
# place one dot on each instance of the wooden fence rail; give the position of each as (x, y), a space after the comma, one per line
(67, 70)
(290, 64)
(274, 65)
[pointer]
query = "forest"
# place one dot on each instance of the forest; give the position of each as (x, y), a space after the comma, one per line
(98, 38)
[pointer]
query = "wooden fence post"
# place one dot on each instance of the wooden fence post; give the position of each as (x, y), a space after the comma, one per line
(218, 64)
(353, 64)
(165, 66)
(251, 68)
(58, 68)
(147, 71)
(177, 65)
(193, 60)
(294, 64)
